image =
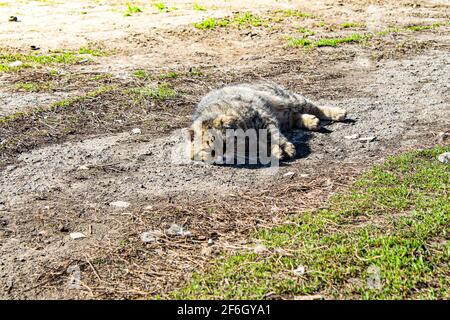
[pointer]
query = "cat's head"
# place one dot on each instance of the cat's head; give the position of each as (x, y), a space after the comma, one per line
(208, 136)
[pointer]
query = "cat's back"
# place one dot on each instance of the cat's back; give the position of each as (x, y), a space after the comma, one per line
(239, 96)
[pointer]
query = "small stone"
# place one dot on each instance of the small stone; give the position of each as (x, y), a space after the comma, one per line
(120, 204)
(15, 64)
(13, 19)
(289, 174)
(304, 175)
(136, 131)
(259, 248)
(314, 297)
(367, 139)
(77, 235)
(84, 60)
(83, 167)
(352, 137)
(33, 47)
(176, 230)
(299, 271)
(444, 157)
(210, 242)
(151, 236)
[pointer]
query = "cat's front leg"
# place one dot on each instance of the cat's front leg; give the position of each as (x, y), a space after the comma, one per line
(308, 121)
(281, 147)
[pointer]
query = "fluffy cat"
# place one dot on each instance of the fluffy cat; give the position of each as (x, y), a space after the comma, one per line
(262, 105)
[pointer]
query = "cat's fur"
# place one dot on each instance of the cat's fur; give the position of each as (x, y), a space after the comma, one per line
(262, 105)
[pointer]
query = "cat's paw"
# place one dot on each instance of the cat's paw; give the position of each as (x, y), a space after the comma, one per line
(289, 149)
(309, 122)
(277, 152)
(338, 114)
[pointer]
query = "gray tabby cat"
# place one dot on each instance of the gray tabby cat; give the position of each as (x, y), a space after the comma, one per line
(262, 105)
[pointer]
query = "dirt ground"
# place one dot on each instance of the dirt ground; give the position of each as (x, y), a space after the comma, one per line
(60, 177)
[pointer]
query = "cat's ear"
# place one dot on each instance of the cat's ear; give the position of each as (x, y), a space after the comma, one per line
(224, 121)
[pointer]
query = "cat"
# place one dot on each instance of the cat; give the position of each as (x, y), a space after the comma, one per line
(262, 105)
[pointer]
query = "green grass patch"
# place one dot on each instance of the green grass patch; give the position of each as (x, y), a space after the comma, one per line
(387, 237)
(325, 42)
(142, 74)
(34, 86)
(59, 104)
(306, 32)
(427, 27)
(51, 58)
(347, 25)
(354, 38)
(246, 19)
(132, 10)
(101, 77)
(198, 7)
(333, 42)
(161, 91)
(299, 42)
(293, 13)
(162, 7)
(249, 19)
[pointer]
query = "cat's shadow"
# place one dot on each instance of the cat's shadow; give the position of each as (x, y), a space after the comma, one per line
(299, 138)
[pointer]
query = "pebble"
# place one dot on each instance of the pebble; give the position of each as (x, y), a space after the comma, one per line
(367, 139)
(176, 230)
(352, 137)
(289, 174)
(83, 167)
(15, 64)
(136, 131)
(259, 248)
(299, 271)
(444, 157)
(77, 235)
(120, 204)
(314, 297)
(151, 236)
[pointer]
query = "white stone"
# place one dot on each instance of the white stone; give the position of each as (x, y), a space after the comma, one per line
(15, 64)
(352, 137)
(136, 131)
(120, 204)
(176, 230)
(77, 235)
(259, 248)
(299, 271)
(289, 174)
(444, 157)
(151, 236)
(367, 139)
